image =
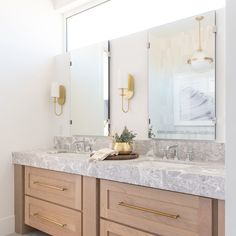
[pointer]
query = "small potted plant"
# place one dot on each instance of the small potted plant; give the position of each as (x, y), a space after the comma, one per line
(123, 142)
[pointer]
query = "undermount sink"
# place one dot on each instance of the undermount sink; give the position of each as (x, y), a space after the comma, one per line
(143, 159)
(171, 161)
(170, 164)
(66, 152)
(58, 151)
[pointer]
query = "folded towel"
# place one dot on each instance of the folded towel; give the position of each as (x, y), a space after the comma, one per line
(102, 154)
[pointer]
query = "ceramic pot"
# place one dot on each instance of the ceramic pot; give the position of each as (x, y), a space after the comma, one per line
(123, 148)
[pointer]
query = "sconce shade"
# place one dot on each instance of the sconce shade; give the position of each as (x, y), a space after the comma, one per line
(58, 93)
(55, 91)
(122, 80)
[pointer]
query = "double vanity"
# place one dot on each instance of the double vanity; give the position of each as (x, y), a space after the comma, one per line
(165, 192)
(65, 194)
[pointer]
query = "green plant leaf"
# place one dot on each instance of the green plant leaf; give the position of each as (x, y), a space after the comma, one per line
(126, 136)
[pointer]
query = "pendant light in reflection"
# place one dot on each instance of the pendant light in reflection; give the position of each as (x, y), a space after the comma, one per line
(200, 60)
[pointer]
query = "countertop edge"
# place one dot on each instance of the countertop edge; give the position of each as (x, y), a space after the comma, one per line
(136, 173)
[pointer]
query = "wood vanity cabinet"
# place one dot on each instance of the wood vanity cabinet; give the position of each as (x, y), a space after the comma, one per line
(154, 212)
(51, 218)
(57, 187)
(53, 201)
(108, 228)
(64, 204)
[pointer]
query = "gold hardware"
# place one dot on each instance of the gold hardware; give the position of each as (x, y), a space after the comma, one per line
(148, 210)
(50, 186)
(60, 100)
(123, 95)
(55, 108)
(199, 19)
(205, 58)
(209, 59)
(50, 220)
(199, 50)
(127, 93)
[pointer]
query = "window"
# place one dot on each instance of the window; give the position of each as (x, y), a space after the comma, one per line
(88, 27)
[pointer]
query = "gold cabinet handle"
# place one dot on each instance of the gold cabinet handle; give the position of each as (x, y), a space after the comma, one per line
(148, 210)
(50, 220)
(49, 186)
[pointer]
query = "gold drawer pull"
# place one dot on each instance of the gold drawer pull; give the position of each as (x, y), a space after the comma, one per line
(50, 220)
(50, 186)
(148, 210)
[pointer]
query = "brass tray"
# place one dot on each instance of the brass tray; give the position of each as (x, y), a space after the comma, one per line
(123, 157)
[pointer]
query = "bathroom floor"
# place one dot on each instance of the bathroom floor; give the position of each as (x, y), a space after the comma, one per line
(35, 233)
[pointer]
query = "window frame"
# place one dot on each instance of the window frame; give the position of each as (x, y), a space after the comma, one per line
(85, 7)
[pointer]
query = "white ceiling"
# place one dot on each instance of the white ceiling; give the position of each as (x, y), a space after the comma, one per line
(67, 3)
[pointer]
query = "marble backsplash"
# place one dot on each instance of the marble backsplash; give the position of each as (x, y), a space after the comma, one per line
(198, 151)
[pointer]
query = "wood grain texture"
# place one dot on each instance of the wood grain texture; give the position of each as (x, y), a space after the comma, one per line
(19, 189)
(35, 178)
(47, 217)
(221, 218)
(113, 229)
(218, 216)
(195, 213)
(205, 217)
(90, 206)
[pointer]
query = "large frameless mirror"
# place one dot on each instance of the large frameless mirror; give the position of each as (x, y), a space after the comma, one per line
(89, 82)
(182, 79)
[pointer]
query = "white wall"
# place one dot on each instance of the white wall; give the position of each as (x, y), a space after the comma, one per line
(230, 118)
(66, 5)
(62, 3)
(31, 35)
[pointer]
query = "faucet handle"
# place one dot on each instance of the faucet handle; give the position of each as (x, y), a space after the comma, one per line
(87, 147)
(165, 152)
(176, 155)
(78, 146)
(189, 155)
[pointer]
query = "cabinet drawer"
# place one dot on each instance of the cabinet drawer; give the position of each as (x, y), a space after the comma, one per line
(113, 229)
(156, 211)
(56, 187)
(52, 219)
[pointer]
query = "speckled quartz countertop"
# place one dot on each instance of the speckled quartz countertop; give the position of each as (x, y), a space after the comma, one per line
(203, 179)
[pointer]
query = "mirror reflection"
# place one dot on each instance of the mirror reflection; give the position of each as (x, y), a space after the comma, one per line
(182, 79)
(89, 90)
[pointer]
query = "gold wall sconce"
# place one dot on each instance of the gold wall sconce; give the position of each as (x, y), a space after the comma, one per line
(126, 87)
(58, 93)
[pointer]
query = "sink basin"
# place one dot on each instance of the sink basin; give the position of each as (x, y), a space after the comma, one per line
(58, 151)
(171, 161)
(169, 164)
(66, 152)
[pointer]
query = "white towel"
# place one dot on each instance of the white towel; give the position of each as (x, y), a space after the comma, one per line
(102, 154)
